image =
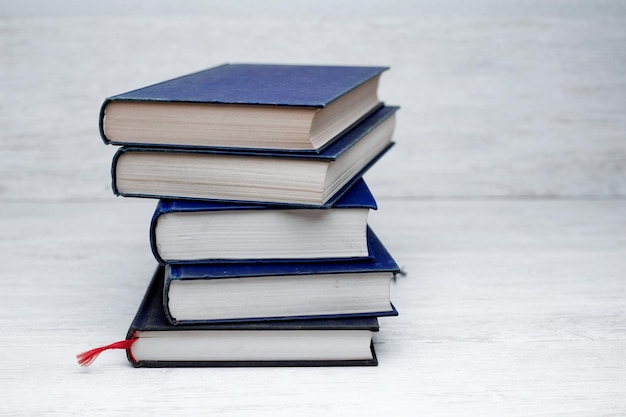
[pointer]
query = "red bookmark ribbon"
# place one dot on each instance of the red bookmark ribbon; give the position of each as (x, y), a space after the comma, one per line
(87, 358)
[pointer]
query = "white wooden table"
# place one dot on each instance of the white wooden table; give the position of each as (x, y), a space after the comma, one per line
(503, 202)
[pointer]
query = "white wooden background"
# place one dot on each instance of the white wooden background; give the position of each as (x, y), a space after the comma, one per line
(503, 201)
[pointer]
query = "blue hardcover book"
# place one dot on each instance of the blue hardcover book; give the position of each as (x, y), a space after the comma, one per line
(253, 106)
(197, 293)
(154, 342)
(189, 231)
(315, 180)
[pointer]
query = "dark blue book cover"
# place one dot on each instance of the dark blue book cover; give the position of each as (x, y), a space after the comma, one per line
(274, 86)
(333, 153)
(150, 317)
(356, 197)
(272, 278)
(259, 84)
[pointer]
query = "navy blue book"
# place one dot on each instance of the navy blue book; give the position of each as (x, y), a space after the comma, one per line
(325, 342)
(189, 231)
(253, 106)
(277, 291)
(305, 179)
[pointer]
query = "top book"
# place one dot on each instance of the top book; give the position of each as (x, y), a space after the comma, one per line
(244, 106)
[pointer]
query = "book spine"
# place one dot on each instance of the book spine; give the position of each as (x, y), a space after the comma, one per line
(166, 290)
(153, 243)
(117, 155)
(101, 121)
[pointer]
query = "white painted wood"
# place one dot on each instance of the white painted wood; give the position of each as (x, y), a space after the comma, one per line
(510, 306)
(495, 106)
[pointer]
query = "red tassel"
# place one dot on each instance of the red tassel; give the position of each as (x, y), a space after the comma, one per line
(87, 358)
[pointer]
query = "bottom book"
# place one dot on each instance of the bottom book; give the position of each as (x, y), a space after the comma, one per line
(314, 342)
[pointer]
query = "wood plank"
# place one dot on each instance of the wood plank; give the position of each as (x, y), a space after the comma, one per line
(509, 307)
(491, 107)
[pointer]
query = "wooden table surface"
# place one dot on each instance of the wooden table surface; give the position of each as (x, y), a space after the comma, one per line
(503, 202)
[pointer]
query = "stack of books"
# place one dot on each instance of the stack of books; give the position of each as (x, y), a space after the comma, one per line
(260, 231)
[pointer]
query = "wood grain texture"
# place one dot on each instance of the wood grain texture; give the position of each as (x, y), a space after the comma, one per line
(508, 307)
(503, 202)
(491, 107)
